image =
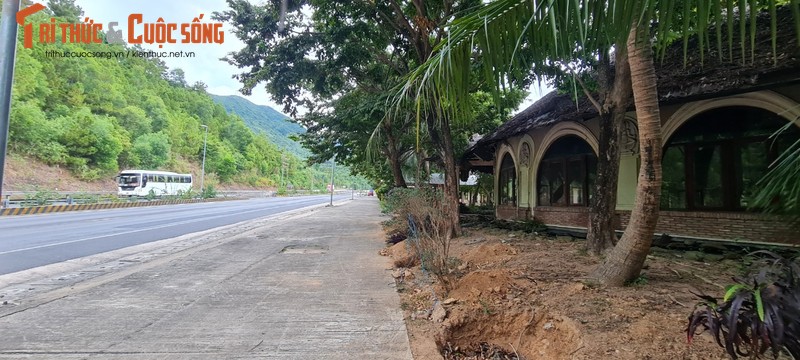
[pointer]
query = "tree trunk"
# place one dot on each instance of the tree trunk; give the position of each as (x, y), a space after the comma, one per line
(473, 195)
(443, 141)
(394, 157)
(602, 234)
(625, 261)
(397, 171)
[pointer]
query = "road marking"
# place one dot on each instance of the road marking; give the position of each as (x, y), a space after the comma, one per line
(122, 233)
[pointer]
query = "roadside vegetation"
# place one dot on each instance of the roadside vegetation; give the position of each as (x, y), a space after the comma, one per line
(515, 290)
(96, 116)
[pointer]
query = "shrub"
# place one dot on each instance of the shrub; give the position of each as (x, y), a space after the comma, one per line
(209, 192)
(187, 195)
(41, 197)
(757, 314)
(87, 198)
(429, 228)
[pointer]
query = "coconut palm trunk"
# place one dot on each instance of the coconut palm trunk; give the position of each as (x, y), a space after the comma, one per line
(626, 260)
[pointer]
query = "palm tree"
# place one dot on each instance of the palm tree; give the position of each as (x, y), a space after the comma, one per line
(514, 37)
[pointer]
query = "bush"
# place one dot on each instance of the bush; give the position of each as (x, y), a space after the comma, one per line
(429, 228)
(187, 195)
(209, 192)
(757, 314)
(41, 197)
(87, 198)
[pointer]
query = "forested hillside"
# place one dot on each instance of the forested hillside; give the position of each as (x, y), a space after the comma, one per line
(96, 116)
(264, 119)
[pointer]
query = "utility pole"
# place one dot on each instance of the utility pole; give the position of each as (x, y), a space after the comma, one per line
(283, 165)
(8, 52)
(203, 172)
(333, 170)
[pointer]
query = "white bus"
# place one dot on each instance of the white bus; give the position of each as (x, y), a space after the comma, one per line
(142, 182)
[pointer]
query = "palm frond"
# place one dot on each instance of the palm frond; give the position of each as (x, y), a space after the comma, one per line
(779, 189)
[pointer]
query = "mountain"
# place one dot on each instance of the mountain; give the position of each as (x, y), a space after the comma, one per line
(264, 119)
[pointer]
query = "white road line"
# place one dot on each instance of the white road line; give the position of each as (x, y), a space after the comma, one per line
(123, 233)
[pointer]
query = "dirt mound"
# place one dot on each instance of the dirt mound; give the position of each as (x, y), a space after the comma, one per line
(403, 254)
(486, 254)
(521, 295)
(483, 285)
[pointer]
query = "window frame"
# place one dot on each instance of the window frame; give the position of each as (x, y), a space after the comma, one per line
(566, 193)
(507, 174)
(731, 168)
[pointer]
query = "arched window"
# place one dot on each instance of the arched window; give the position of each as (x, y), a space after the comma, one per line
(567, 173)
(714, 160)
(507, 186)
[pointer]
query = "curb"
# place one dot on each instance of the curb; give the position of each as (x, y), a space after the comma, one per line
(83, 207)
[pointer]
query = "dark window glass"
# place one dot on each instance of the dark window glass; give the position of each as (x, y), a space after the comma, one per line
(555, 170)
(577, 181)
(715, 160)
(673, 186)
(567, 173)
(751, 162)
(544, 189)
(591, 175)
(708, 176)
(508, 181)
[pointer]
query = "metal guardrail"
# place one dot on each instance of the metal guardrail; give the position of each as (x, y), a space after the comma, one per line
(18, 199)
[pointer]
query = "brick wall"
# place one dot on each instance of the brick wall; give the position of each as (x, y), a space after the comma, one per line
(734, 226)
(574, 216)
(507, 212)
(723, 225)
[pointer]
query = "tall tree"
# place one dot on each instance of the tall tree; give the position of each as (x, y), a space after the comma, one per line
(95, 115)
(66, 9)
(338, 47)
(350, 123)
(565, 31)
(627, 258)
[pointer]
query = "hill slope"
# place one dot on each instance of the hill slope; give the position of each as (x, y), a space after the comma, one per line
(264, 119)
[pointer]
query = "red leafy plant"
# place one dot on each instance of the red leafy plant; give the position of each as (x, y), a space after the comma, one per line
(759, 313)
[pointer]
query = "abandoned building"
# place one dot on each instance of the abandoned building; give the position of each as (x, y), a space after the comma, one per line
(717, 125)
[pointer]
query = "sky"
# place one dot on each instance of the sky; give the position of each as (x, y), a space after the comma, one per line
(206, 66)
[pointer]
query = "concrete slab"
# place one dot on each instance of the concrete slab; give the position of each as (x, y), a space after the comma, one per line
(241, 295)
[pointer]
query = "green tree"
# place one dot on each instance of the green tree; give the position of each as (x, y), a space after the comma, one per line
(152, 150)
(564, 32)
(92, 141)
(176, 77)
(135, 120)
(345, 57)
(66, 9)
(95, 115)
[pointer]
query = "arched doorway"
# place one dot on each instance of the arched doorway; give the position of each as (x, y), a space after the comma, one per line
(566, 173)
(714, 160)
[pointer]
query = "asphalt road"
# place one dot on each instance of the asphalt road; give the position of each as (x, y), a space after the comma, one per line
(30, 241)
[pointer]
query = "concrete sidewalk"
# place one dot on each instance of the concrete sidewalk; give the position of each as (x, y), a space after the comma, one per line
(309, 286)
